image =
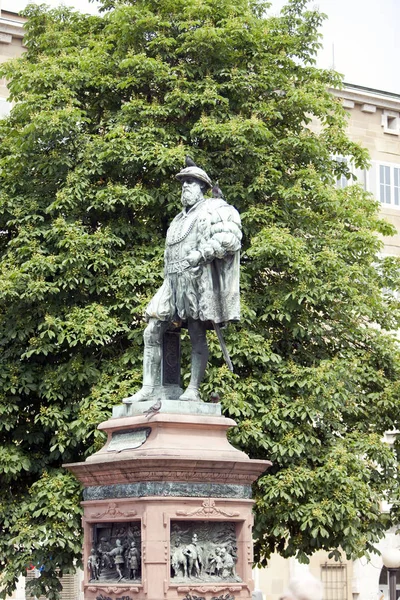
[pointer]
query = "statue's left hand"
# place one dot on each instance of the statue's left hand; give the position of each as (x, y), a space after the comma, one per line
(193, 258)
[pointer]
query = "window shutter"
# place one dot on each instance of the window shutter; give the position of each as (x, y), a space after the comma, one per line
(70, 583)
(32, 574)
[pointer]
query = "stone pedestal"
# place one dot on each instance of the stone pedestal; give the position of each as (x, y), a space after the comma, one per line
(167, 506)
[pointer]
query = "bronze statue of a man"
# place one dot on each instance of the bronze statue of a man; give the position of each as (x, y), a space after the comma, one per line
(201, 280)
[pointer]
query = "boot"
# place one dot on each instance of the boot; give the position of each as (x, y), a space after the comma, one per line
(199, 363)
(151, 375)
(191, 394)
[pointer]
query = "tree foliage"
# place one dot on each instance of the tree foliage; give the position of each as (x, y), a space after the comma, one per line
(106, 108)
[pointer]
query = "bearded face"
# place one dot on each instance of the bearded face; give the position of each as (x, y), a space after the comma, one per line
(191, 192)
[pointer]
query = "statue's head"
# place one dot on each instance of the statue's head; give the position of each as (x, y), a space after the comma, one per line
(195, 182)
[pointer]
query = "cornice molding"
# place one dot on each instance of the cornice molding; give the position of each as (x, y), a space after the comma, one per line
(12, 25)
(368, 97)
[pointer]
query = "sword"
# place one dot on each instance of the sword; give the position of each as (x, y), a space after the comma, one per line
(223, 346)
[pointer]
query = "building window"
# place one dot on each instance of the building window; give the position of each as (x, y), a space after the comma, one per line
(391, 122)
(342, 181)
(389, 185)
(334, 580)
(69, 582)
(396, 185)
(32, 574)
(384, 184)
(5, 108)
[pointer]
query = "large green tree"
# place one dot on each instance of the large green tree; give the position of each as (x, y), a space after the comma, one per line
(106, 108)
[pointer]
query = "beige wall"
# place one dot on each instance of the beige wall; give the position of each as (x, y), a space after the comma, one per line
(366, 128)
(11, 41)
(273, 580)
(374, 122)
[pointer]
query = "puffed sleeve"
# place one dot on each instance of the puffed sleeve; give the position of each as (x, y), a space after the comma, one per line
(222, 233)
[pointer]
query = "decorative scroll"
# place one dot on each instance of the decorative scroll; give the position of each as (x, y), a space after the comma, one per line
(101, 597)
(207, 509)
(113, 511)
(222, 597)
(112, 590)
(203, 589)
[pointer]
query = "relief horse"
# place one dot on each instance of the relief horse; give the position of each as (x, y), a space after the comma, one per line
(179, 562)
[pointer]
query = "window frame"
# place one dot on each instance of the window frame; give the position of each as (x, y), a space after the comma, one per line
(392, 186)
(335, 588)
(390, 122)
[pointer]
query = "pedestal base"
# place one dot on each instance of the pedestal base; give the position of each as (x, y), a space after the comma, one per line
(158, 519)
(167, 509)
(168, 406)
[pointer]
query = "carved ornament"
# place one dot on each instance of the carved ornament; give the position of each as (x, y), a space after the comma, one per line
(112, 589)
(101, 597)
(207, 509)
(204, 589)
(113, 511)
(190, 597)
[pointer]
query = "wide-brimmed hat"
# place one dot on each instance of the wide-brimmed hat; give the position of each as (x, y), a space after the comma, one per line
(196, 173)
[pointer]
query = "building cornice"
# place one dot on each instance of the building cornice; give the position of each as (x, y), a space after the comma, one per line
(11, 26)
(368, 96)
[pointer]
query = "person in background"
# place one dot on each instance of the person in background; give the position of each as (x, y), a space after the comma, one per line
(303, 587)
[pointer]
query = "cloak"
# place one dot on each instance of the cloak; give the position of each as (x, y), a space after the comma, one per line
(208, 291)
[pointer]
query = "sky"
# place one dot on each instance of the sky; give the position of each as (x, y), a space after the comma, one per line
(360, 37)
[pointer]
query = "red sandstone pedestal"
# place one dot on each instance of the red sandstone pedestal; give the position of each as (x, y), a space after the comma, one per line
(156, 481)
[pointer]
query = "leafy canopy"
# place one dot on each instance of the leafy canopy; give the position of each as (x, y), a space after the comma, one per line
(106, 108)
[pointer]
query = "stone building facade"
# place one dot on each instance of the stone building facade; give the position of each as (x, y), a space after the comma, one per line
(373, 122)
(11, 46)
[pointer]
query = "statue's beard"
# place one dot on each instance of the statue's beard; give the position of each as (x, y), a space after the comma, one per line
(190, 197)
